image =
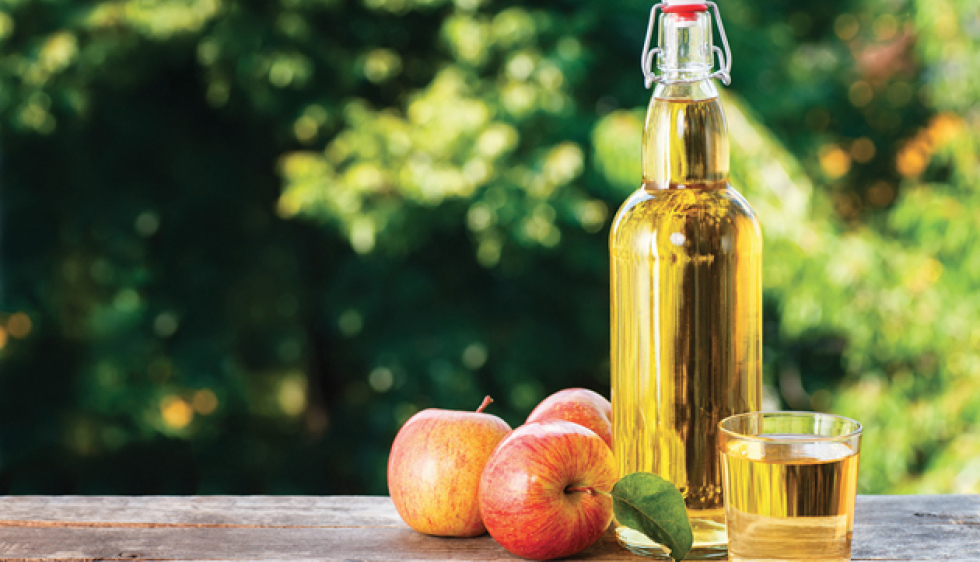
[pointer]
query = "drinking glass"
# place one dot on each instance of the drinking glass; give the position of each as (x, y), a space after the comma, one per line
(789, 481)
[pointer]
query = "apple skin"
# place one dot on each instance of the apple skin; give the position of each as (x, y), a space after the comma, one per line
(523, 496)
(434, 469)
(578, 405)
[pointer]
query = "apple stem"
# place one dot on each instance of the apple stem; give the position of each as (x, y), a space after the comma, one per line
(587, 489)
(486, 402)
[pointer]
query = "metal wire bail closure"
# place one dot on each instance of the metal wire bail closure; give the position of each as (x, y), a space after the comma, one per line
(647, 58)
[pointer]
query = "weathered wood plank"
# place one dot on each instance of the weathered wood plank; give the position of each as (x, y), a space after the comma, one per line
(196, 543)
(245, 511)
(118, 543)
(917, 528)
(916, 510)
(888, 528)
(371, 511)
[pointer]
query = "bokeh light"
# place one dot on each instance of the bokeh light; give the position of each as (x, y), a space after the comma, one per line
(247, 242)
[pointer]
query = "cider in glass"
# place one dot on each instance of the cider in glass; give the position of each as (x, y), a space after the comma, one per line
(790, 482)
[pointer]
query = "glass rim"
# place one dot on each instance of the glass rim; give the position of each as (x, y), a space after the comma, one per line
(856, 432)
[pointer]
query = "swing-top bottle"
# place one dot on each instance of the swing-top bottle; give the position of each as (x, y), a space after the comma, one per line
(686, 255)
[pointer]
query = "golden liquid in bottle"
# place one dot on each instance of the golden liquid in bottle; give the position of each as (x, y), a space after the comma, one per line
(686, 315)
(794, 502)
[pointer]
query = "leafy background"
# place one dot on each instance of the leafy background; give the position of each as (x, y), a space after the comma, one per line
(243, 241)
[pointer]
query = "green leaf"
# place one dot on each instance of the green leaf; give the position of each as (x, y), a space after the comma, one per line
(653, 506)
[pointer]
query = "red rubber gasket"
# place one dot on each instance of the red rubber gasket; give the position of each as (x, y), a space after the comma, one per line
(684, 8)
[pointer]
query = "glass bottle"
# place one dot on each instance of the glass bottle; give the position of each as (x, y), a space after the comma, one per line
(686, 285)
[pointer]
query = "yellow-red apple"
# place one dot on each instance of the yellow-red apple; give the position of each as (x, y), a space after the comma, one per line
(544, 491)
(435, 466)
(578, 405)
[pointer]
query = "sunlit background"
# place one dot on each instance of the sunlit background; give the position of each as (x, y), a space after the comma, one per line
(243, 241)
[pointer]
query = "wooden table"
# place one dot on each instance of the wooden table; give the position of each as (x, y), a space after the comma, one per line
(887, 528)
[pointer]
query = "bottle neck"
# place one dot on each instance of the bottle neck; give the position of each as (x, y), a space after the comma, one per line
(685, 137)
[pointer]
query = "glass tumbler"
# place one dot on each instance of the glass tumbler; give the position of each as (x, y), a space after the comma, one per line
(789, 480)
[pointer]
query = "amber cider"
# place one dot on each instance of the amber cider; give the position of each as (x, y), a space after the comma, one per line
(790, 501)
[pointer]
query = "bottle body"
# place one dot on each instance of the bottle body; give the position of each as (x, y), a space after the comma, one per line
(686, 312)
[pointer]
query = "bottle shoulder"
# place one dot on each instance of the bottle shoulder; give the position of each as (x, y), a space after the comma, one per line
(718, 203)
(688, 214)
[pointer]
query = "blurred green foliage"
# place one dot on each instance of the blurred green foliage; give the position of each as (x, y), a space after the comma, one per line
(244, 241)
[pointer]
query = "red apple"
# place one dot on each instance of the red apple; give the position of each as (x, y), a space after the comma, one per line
(578, 405)
(435, 466)
(540, 492)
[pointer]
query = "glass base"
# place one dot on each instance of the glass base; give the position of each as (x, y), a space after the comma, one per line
(710, 538)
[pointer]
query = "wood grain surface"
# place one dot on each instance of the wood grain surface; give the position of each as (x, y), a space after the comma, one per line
(343, 528)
